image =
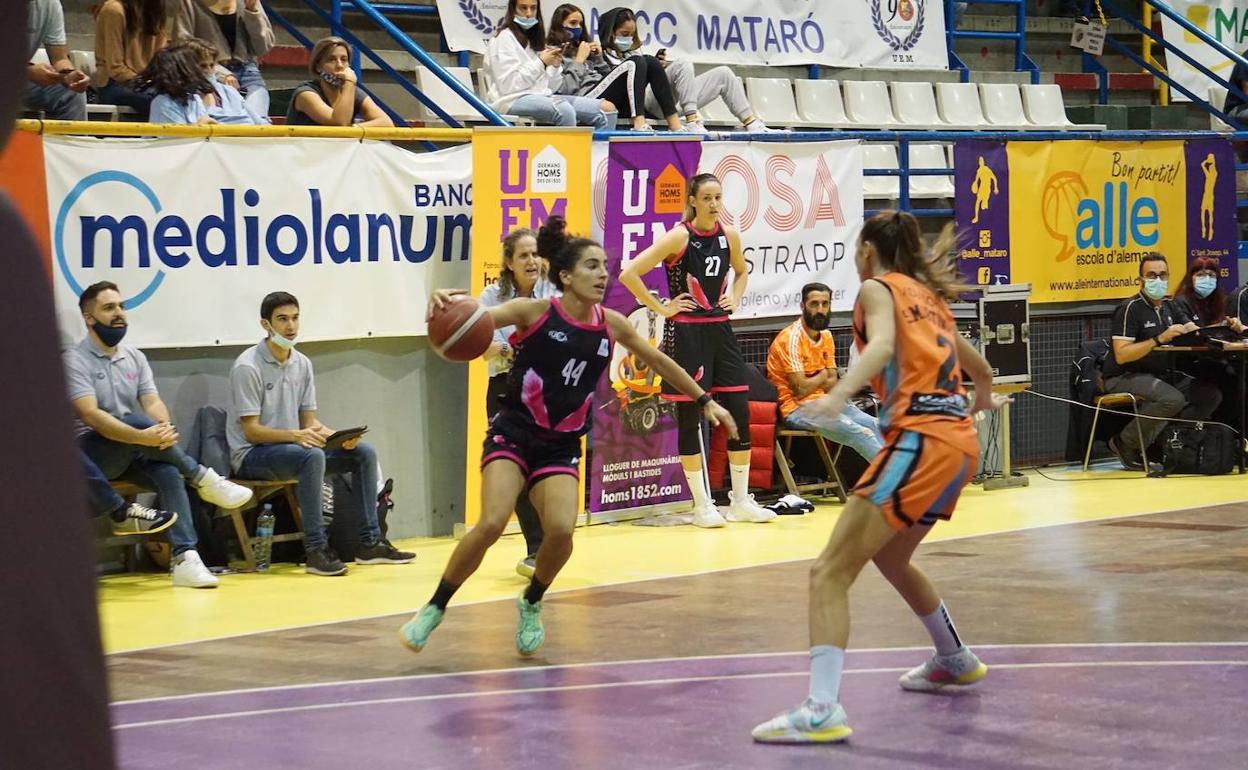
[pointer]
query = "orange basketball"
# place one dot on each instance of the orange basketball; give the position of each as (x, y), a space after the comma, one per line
(462, 330)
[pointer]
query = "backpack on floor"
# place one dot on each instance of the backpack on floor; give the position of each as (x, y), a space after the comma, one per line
(1200, 448)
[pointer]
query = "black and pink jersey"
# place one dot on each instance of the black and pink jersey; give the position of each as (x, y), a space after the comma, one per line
(701, 270)
(550, 388)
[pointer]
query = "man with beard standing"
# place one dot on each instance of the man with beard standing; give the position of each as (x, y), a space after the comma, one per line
(802, 365)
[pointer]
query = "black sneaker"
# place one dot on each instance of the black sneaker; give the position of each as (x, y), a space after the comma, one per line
(323, 561)
(137, 519)
(1129, 461)
(381, 552)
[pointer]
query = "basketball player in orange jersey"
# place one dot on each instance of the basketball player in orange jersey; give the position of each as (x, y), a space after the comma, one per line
(562, 347)
(913, 356)
(697, 255)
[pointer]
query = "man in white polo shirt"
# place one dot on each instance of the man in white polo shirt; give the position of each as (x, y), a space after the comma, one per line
(124, 428)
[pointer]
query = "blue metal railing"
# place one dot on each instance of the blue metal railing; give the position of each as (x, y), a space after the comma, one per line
(1022, 62)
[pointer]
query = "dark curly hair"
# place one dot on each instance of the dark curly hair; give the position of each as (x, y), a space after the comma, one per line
(175, 72)
(562, 250)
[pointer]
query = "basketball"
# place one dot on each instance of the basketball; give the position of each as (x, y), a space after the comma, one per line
(462, 330)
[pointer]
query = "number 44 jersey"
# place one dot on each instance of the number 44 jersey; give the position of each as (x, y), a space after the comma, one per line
(550, 388)
(920, 388)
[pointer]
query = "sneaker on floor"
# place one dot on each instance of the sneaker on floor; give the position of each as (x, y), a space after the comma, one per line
(748, 510)
(141, 520)
(415, 632)
(810, 722)
(323, 561)
(526, 566)
(940, 671)
(1130, 460)
(529, 632)
(222, 492)
(382, 552)
(708, 516)
(189, 571)
(757, 126)
(696, 127)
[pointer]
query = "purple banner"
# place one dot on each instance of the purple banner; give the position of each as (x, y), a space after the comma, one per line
(635, 458)
(1212, 230)
(981, 208)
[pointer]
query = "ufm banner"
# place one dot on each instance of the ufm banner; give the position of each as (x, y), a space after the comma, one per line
(522, 177)
(195, 233)
(798, 207)
(1073, 218)
(636, 460)
(900, 34)
(1223, 20)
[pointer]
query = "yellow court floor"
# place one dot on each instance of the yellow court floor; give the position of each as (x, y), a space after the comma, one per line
(139, 611)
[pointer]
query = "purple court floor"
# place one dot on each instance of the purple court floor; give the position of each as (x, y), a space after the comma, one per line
(1043, 706)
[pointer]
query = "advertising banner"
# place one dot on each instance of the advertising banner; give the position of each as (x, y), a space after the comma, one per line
(1226, 21)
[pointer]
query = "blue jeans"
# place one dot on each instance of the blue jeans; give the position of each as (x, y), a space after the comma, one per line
(164, 471)
(116, 93)
(252, 84)
(103, 498)
(853, 427)
(282, 462)
(56, 102)
(560, 110)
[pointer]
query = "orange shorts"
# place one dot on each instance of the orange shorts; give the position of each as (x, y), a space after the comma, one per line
(916, 479)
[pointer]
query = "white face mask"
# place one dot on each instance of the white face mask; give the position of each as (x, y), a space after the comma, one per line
(282, 342)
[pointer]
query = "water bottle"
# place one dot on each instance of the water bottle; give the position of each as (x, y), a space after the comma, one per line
(262, 547)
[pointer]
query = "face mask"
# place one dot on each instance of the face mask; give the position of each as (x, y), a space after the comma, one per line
(526, 22)
(1155, 288)
(815, 321)
(624, 42)
(574, 33)
(282, 342)
(1204, 285)
(109, 335)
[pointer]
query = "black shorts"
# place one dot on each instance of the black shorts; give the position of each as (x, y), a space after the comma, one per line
(710, 354)
(537, 456)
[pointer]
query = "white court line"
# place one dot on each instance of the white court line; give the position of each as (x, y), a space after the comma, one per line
(642, 683)
(296, 627)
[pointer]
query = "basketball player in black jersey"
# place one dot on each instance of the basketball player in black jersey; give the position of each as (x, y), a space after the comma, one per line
(697, 255)
(562, 347)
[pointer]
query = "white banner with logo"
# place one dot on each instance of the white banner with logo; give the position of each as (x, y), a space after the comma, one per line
(196, 232)
(1223, 20)
(799, 208)
(890, 34)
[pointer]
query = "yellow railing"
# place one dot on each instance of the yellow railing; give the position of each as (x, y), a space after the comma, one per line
(1146, 51)
(113, 128)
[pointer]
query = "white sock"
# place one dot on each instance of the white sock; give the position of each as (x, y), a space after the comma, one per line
(740, 481)
(697, 485)
(826, 663)
(940, 626)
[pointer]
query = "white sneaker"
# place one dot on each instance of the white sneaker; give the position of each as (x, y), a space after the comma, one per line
(189, 571)
(222, 492)
(748, 510)
(757, 126)
(707, 516)
(810, 722)
(696, 127)
(940, 671)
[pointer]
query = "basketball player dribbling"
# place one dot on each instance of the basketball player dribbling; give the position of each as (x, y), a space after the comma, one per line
(914, 357)
(562, 347)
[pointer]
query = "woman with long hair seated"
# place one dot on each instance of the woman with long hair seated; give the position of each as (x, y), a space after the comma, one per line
(187, 92)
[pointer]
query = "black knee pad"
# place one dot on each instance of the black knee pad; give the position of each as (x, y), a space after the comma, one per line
(738, 405)
(689, 425)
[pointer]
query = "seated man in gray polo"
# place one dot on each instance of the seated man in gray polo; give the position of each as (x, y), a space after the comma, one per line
(274, 435)
(58, 89)
(124, 428)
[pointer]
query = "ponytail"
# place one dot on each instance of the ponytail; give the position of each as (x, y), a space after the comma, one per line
(897, 239)
(695, 184)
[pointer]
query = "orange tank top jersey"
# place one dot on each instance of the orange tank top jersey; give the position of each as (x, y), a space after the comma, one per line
(921, 386)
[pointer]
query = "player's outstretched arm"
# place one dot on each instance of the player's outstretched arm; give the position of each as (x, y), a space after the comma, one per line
(520, 312)
(669, 370)
(980, 371)
(672, 242)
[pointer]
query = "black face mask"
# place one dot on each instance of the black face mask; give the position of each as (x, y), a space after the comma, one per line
(109, 335)
(816, 321)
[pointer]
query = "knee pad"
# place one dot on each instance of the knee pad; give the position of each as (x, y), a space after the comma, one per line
(689, 424)
(738, 405)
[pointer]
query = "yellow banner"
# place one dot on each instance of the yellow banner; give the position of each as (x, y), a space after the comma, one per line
(1082, 214)
(520, 178)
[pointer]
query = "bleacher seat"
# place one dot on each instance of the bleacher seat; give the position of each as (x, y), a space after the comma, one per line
(1045, 108)
(717, 114)
(914, 105)
(880, 156)
(445, 97)
(1217, 98)
(867, 104)
(1003, 106)
(958, 104)
(819, 103)
(772, 99)
(929, 156)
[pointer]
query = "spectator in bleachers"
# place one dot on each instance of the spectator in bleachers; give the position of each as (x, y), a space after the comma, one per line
(1234, 106)
(274, 435)
(523, 74)
(57, 89)
(124, 428)
(240, 33)
(690, 93)
(182, 76)
(801, 363)
(1200, 297)
(333, 97)
(1139, 326)
(127, 34)
(617, 35)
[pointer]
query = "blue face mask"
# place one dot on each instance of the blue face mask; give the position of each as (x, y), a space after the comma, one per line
(1155, 288)
(525, 22)
(624, 42)
(1204, 285)
(574, 33)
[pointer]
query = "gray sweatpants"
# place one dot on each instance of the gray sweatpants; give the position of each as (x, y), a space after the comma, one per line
(695, 92)
(1185, 397)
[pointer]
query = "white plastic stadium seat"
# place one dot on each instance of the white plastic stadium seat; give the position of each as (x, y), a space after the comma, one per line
(914, 105)
(819, 103)
(880, 156)
(1003, 106)
(442, 95)
(958, 104)
(83, 60)
(867, 104)
(930, 156)
(717, 114)
(772, 99)
(1046, 108)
